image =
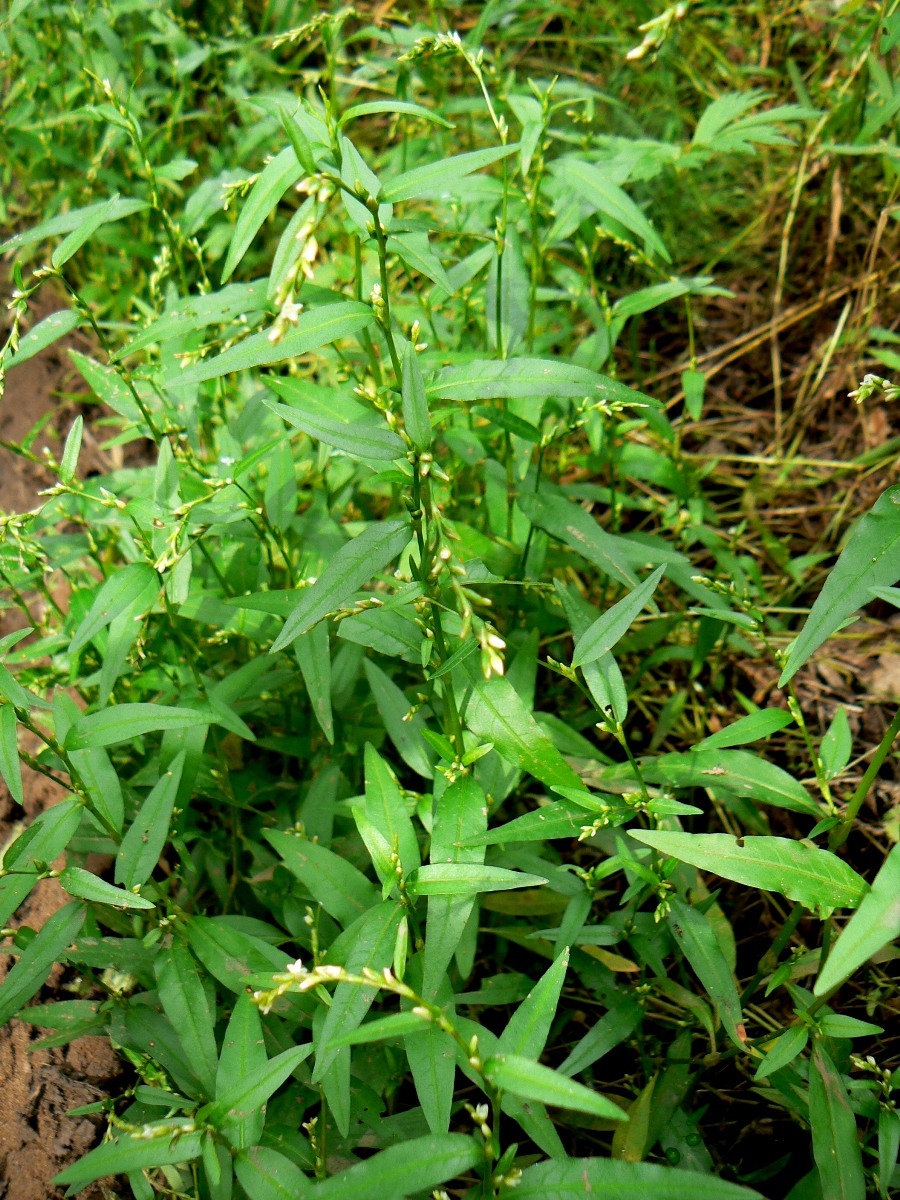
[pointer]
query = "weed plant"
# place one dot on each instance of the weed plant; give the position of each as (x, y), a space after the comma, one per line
(384, 679)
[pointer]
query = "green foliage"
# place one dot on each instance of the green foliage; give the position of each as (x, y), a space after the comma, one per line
(349, 677)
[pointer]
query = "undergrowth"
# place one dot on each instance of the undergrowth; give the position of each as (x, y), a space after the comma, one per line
(423, 835)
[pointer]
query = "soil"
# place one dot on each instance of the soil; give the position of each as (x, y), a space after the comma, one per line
(38, 1087)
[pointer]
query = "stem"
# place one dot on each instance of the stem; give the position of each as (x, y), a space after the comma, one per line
(841, 832)
(783, 937)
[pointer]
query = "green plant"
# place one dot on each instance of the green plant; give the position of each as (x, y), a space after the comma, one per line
(351, 686)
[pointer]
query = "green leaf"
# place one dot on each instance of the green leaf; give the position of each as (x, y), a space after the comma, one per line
(460, 817)
(96, 216)
(434, 179)
(184, 1002)
(599, 638)
(386, 809)
(834, 1138)
(737, 772)
(29, 974)
(122, 589)
(578, 529)
(405, 731)
(314, 328)
(71, 450)
(837, 744)
(65, 222)
(85, 886)
(124, 722)
(264, 1174)
(529, 1027)
(783, 1052)
(698, 942)
(814, 877)
(595, 186)
(342, 890)
(465, 879)
(252, 1090)
(103, 787)
(748, 729)
(358, 439)
(313, 653)
(411, 1167)
(273, 181)
(370, 943)
(533, 1081)
(520, 378)
(397, 1025)
(873, 925)
(496, 713)
(10, 766)
(355, 564)
(243, 1054)
(42, 335)
(149, 831)
(868, 560)
(401, 107)
(836, 1025)
(128, 1154)
(614, 1179)
(510, 422)
(415, 405)
(43, 841)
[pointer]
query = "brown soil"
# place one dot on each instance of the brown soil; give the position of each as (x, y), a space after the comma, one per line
(39, 1086)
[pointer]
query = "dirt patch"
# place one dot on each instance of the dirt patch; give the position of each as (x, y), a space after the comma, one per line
(39, 1087)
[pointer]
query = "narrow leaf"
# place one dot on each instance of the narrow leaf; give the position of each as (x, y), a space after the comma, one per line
(29, 974)
(873, 925)
(816, 878)
(868, 560)
(147, 835)
(533, 1081)
(354, 564)
(608, 629)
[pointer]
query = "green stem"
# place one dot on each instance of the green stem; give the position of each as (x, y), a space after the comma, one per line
(841, 832)
(783, 937)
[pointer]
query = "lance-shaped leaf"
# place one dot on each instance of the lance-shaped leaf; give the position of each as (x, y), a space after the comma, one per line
(412, 1167)
(85, 886)
(316, 328)
(122, 206)
(533, 1081)
(128, 1154)
(28, 975)
(614, 1179)
(598, 639)
(869, 560)
(252, 1090)
(748, 729)
(737, 772)
(42, 335)
(496, 713)
(698, 942)
(273, 181)
(415, 405)
(342, 890)
(873, 925)
(123, 722)
(834, 1137)
(386, 809)
(519, 378)
(243, 1056)
(359, 438)
(184, 1002)
(594, 185)
(149, 831)
(529, 1027)
(10, 766)
(122, 589)
(354, 565)
(814, 877)
(432, 180)
(467, 879)
(460, 817)
(264, 1174)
